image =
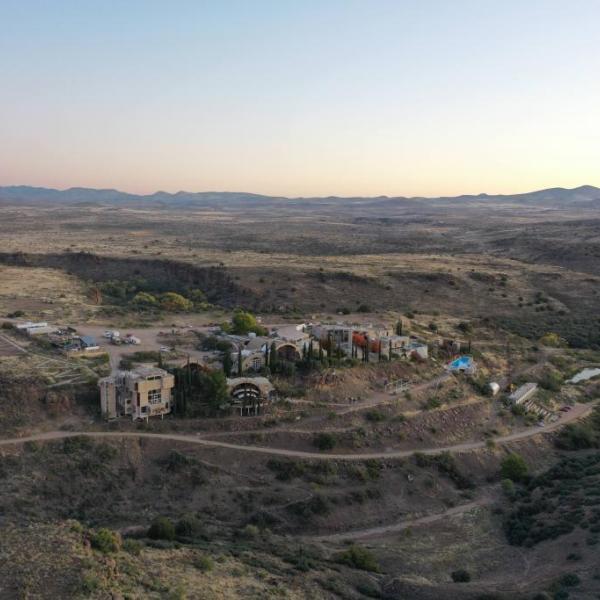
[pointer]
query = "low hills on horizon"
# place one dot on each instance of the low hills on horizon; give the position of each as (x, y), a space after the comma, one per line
(585, 196)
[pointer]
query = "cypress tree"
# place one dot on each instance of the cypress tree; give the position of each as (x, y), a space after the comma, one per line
(273, 355)
(240, 365)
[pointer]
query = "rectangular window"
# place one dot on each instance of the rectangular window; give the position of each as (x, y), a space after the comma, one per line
(155, 396)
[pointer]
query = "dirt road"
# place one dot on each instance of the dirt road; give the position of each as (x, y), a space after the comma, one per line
(384, 530)
(579, 411)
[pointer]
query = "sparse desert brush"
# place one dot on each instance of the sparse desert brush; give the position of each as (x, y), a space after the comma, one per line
(203, 562)
(132, 546)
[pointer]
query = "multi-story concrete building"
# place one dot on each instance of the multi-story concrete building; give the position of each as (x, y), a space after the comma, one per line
(142, 393)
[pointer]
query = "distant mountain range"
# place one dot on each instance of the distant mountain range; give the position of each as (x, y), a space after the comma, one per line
(585, 196)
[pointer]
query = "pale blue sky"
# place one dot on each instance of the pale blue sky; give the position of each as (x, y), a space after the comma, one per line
(418, 97)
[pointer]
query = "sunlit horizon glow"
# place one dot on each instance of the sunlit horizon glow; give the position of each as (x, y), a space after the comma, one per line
(342, 97)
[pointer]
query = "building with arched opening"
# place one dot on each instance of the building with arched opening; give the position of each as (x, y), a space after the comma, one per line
(250, 394)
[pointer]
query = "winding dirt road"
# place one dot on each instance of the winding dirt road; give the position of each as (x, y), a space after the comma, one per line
(579, 411)
(384, 530)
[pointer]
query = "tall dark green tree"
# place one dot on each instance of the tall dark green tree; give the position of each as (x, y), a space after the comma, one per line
(273, 358)
(240, 362)
(399, 327)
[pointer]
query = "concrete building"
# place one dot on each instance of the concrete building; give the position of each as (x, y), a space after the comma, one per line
(252, 360)
(394, 344)
(339, 334)
(250, 393)
(142, 393)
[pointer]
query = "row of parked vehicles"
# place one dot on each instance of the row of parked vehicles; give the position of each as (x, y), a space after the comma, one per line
(115, 338)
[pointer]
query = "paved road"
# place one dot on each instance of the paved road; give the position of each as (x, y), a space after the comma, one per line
(579, 411)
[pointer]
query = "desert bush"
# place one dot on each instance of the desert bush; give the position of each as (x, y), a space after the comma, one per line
(173, 302)
(286, 469)
(374, 416)
(162, 528)
(359, 557)
(134, 547)
(460, 576)
(250, 532)
(570, 580)
(325, 441)
(89, 584)
(106, 541)
(188, 527)
(551, 380)
(513, 467)
(508, 487)
(203, 562)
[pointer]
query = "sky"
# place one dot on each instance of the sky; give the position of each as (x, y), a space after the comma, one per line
(301, 98)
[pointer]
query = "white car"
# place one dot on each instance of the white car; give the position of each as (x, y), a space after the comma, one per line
(164, 349)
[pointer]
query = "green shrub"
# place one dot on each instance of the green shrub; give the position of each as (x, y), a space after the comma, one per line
(243, 322)
(189, 527)
(106, 541)
(359, 557)
(513, 467)
(325, 441)
(577, 436)
(375, 416)
(162, 528)
(174, 302)
(460, 576)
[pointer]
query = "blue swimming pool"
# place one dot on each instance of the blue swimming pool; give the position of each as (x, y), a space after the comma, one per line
(461, 363)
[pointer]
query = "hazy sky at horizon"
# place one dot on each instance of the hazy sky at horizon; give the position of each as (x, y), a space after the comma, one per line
(344, 97)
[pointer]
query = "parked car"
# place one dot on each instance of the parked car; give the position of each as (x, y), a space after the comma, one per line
(164, 349)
